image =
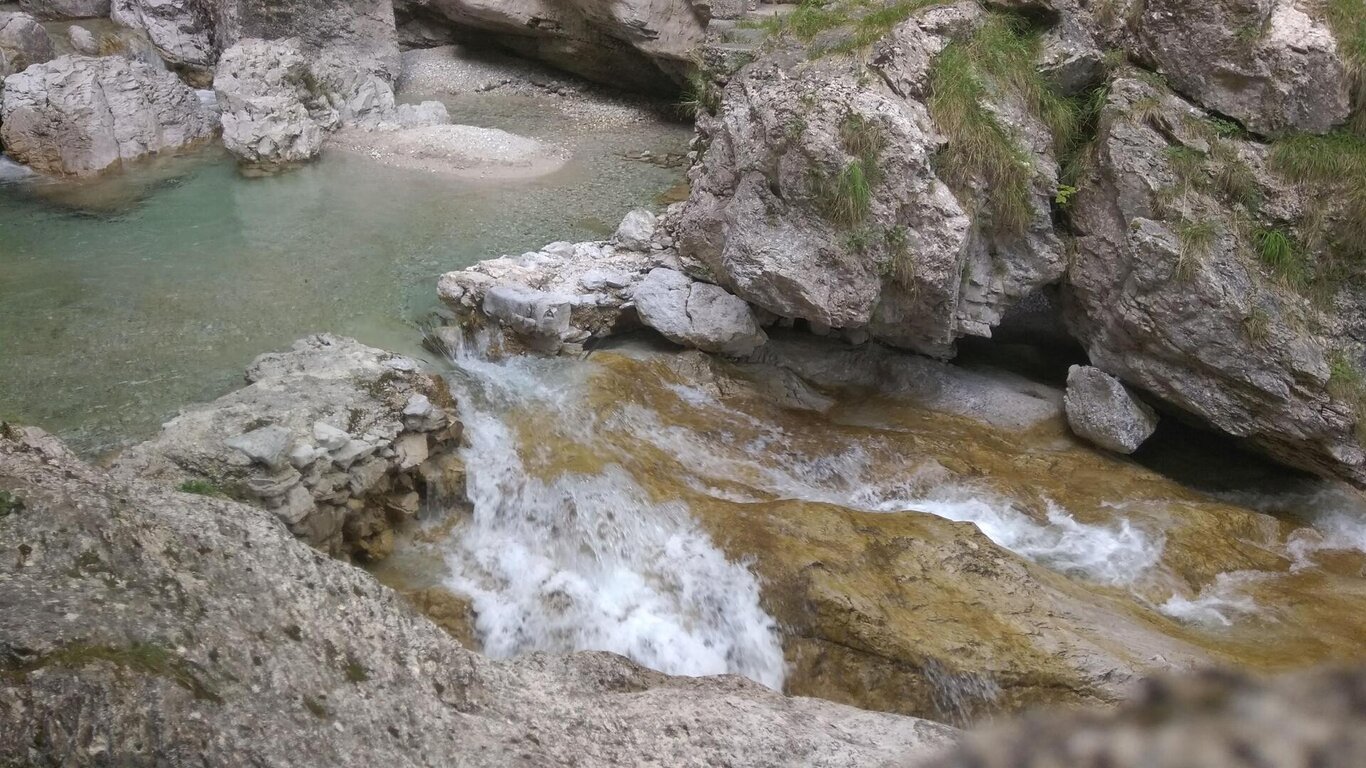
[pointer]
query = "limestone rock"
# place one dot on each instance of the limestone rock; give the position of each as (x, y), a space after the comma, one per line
(23, 42)
(696, 314)
(78, 116)
(1196, 322)
(633, 44)
(1266, 63)
(1100, 409)
(327, 416)
(356, 37)
(912, 267)
(66, 9)
(181, 30)
(556, 298)
(273, 111)
(146, 625)
(1230, 719)
(636, 230)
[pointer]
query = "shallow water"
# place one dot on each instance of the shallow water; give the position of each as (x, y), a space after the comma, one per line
(124, 299)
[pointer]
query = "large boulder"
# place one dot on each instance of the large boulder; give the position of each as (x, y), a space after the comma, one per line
(141, 624)
(695, 314)
(818, 197)
(23, 41)
(1166, 294)
(356, 36)
(342, 442)
(274, 112)
(1101, 410)
(1266, 63)
(66, 9)
(78, 115)
(634, 44)
(181, 30)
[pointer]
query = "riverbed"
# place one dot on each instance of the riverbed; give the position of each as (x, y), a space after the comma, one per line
(124, 299)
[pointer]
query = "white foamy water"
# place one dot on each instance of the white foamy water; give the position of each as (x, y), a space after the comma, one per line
(588, 561)
(1116, 554)
(1218, 604)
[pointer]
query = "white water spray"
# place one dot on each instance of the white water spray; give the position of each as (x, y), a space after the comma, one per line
(587, 561)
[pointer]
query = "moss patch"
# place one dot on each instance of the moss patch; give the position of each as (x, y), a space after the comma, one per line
(139, 658)
(10, 504)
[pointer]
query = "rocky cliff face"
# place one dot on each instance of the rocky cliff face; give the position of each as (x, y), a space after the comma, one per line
(140, 624)
(636, 44)
(915, 174)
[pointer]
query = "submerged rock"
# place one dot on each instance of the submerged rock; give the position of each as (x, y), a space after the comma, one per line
(143, 624)
(331, 436)
(1100, 409)
(78, 116)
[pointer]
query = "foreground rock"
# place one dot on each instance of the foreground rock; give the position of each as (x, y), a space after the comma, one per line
(206, 632)
(23, 41)
(78, 116)
(342, 442)
(1101, 410)
(633, 44)
(1229, 720)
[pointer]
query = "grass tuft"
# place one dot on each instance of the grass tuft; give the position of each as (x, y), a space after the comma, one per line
(1331, 171)
(979, 148)
(1197, 237)
(845, 199)
(201, 488)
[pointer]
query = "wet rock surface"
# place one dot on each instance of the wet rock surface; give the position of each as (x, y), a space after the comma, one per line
(141, 623)
(342, 442)
(1101, 410)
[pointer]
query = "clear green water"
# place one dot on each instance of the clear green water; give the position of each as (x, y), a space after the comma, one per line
(124, 300)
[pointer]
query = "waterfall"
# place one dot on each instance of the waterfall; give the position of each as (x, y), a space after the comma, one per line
(558, 558)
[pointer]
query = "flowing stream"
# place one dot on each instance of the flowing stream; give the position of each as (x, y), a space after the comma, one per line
(612, 498)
